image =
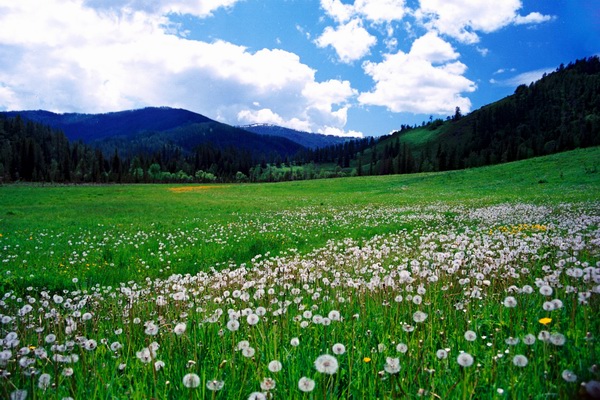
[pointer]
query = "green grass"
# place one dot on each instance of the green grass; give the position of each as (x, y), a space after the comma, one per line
(131, 265)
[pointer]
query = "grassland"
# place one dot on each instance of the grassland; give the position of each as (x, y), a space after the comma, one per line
(465, 284)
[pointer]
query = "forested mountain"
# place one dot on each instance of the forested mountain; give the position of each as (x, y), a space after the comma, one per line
(306, 139)
(155, 129)
(559, 112)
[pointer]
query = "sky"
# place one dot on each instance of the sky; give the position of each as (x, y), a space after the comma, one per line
(342, 67)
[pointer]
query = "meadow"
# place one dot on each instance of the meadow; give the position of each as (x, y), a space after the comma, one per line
(474, 284)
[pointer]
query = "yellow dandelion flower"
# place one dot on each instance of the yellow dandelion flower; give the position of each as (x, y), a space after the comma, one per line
(367, 359)
(545, 321)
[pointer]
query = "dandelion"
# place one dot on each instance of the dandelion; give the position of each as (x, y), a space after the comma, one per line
(267, 384)
(569, 376)
(510, 302)
(306, 384)
(257, 396)
(367, 359)
(86, 317)
(191, 380)
(470, 336)
(67, 372)
(90, 345)
(520, 360)
(295, 342)
(252, 319)
(511, 341)
(334, 315)
(275, 366)
(44, 381)
(116, 346)
(548, 306)
(215, 385)
(248, 352)
(529, 339)
(402, 348)
(326, 364)
(546, 290)
(392, 365)
(441, 354)
(557, 339)
(158, 365)
(180, 328)
(338, 349)
(419, 316)
(19, 394)
(50, 338)
(465, 360)
(233, 325)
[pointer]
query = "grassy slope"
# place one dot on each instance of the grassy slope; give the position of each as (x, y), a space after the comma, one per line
(571, 176)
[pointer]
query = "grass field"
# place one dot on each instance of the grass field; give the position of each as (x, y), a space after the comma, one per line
(467, 284)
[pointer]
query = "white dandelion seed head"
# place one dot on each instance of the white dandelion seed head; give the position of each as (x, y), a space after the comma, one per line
(470, 336)
(275, 366)
(215, 385)
(306, 384)
(392, 365)
(338, 349)
(267, 384)
(520, 360)
(402, 348)
(191, 381)
(569, 376)
(326, 364)
(465, 360)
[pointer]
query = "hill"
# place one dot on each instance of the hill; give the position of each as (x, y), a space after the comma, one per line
(153, 129)
(306, 139)
(559, 112)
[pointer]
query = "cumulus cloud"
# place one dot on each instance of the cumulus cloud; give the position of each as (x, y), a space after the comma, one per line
(198, 8)
(64, 55)
(462, 19)
(351, 41)
(350, 38)
(427, 79)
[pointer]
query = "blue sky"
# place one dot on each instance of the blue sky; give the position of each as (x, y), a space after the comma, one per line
(346, 67)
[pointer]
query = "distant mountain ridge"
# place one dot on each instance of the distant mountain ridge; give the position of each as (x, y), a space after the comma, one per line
(153, 128)
(306, 139)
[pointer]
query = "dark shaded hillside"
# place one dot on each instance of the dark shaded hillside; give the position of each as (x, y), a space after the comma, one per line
(95, 127)
(306, 139)
(153, 129)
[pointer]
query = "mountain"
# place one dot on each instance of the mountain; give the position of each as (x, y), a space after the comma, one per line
(152, 129)
(557, 113)
(306, 139)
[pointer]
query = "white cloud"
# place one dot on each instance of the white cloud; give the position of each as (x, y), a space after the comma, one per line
(351, 41)
(337, 10)
(533, 18)
(428, 79)
(524, 78)
(380, 11)
(63, 56)
(461, 19)
(198, 8)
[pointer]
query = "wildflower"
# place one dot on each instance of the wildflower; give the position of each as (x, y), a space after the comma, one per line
(233, 325)
(510, 302)
(334, 315)
(215, 385)
(419, 316)
(257, 396)
(569, 376)
(44, 381)
(267, 384)
(243, 344)
(367, 359)
(441, 354)
(248, 352)
(306, 384)
(67, 372)
(86, 317)
(548, 306)
(326, 364)
(50, 338)
(191, 380)
(392, 365)
(511, 341)
(338, 349)
(116, 346)
(180, 328)
(529, 339)
(252, 319)
(546, 290)
(151, 329)
(158, 365)
(90, 345)
(557, 339)
(18, 394)
(544, 336)
(470, 336)
(465, 359)
(295, 342)
(275, 366)
(520, 360)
